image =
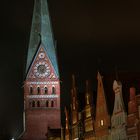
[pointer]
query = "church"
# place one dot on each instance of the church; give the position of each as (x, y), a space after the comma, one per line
(42, 117)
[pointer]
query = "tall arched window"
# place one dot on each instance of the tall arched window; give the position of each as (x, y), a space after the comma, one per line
(53, 90)
(33, 103)
(38, 103)
(52, 103)
(38, 90)
(31, 90)
(45, 90)
(47, 103)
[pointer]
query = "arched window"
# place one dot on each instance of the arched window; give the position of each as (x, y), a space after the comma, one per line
(52, 103)
(31, 90)
(45, 90)
(38, 103)
(53, 90)
(38, 90)
(47, 103)
(33, 103)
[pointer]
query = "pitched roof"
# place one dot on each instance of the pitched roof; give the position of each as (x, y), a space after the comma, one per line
(41, 33)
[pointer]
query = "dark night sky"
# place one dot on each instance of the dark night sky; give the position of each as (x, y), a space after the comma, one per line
(91, 35)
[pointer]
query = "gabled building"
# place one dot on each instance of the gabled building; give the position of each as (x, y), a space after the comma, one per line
(119, 116)
(74, 111)
(133, 120)
(89, 131)
(102, 118)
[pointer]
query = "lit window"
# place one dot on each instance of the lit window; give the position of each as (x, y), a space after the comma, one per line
(46, 90)
(102, 122)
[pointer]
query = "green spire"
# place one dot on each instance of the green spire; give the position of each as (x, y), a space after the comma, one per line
(41, 33)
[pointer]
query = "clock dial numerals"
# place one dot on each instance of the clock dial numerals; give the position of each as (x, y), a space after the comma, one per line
(42, 69)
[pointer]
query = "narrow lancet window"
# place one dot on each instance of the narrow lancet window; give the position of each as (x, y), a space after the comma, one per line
(47, 103)
(38, 90)
(53, 90)
(46, 90)
(33, 103)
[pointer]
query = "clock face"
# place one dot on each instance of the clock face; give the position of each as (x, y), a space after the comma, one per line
(42, 69)
(41, 55)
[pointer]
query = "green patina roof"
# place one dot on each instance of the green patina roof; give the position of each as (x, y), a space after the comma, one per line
(41, 29)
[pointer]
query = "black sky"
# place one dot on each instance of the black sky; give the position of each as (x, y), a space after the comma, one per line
(91, 35)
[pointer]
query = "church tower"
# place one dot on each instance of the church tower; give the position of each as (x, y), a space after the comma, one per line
(119, 116)
(42, 84)
(102, 120)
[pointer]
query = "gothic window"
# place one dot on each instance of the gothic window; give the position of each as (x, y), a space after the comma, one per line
(53, 90)
(52, 103)
(38, 90)
(31, 90)
(45, 90)
(33, 103)
(38, 103)
(47, 103)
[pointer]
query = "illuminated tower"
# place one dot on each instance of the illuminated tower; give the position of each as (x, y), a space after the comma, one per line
(119, 116)
(88, 117)
(74, 110)
(102, 119)
(133, 128)
(42, 85)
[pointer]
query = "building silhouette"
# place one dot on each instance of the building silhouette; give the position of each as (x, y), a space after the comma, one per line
(96, 123)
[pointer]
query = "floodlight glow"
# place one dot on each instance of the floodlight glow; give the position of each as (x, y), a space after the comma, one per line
(12, 139)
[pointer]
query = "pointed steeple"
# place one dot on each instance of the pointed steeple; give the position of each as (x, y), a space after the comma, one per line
(102, 122)
(41, 33)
